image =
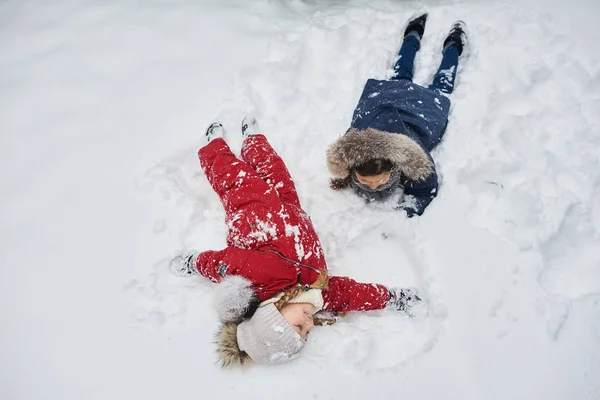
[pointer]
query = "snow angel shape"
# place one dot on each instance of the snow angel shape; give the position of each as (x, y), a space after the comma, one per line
(272, 274)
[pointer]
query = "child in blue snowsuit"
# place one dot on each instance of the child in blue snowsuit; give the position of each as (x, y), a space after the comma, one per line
(395, 125)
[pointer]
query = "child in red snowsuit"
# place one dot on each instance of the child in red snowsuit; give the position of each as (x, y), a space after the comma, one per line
(272, 274)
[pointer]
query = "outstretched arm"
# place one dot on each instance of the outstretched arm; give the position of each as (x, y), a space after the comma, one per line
(346, 294)
(266, 271)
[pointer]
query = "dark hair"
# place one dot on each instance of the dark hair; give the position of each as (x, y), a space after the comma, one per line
(374, 167)
(252, 307)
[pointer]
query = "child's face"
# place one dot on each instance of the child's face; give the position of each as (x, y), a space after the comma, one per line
(373, 181)
(299, 316)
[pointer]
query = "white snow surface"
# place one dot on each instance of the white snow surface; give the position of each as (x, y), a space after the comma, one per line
(103, 106)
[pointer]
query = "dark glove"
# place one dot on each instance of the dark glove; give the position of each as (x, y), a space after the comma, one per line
(339, 183)
(406, 301)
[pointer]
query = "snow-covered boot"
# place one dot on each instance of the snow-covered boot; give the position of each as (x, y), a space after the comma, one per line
(417, 24)
(250, 126)
(407, 301)
(215, 130)
(184, 264)
(458, 36)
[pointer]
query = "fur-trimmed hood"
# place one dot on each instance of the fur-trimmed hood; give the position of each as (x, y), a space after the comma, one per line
(358, 146)
(228, 350)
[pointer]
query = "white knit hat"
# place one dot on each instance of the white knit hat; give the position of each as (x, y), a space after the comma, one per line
(268, 338)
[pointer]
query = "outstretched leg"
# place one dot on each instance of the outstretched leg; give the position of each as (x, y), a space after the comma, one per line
(236, 183)
(404, 66)
(446, 74)
(413, 33)
(453, 47)
(259, 154)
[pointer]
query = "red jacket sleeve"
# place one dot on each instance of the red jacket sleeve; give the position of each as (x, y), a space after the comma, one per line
(346, 294)
(268, 273)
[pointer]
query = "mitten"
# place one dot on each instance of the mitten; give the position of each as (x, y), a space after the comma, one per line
(184, 264)
(407, 302)
(339, 183)
(409, 211)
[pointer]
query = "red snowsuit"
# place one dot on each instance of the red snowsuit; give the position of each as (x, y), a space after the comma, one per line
(271, 240)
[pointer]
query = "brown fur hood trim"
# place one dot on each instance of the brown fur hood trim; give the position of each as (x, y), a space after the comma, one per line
(359, 146)
(228, 350)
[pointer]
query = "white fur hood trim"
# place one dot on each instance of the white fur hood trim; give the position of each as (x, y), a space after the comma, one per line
(233, 297)
(358, 146)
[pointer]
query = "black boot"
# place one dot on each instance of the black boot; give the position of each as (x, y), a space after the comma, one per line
(457, 36)
(417, 24)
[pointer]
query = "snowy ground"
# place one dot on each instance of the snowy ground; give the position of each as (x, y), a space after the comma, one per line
(102, 104)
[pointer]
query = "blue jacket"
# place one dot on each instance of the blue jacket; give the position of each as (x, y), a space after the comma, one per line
(402, 122)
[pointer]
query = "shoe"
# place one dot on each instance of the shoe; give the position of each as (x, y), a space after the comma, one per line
(458, 36)
(407, 302)
(417, 24)
(250, 127)
(215, 130)
(184, 264)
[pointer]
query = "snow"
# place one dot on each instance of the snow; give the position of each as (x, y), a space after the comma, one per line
(103, 106)
(265, 231)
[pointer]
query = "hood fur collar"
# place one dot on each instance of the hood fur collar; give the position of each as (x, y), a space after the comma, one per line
(359, 146)
(228, 350)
